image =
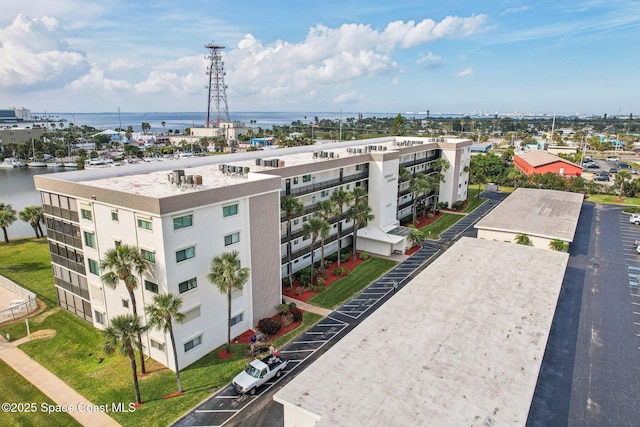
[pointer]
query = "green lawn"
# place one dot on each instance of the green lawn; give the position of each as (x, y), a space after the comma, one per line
(612, 199)
(15, 389)
(361, 276)
(75, 353)
(27, 262)
(441, 224)
(473, 201)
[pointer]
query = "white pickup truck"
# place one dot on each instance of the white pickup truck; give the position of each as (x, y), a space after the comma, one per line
(258, 372)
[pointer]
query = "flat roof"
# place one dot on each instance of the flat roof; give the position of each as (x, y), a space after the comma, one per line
(545, 213)
(151, 180)
(455, 346)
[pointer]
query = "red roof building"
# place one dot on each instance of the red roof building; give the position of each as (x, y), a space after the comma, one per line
(541, 162)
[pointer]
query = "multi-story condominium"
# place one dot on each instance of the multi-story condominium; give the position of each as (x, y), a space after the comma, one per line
(183, 213)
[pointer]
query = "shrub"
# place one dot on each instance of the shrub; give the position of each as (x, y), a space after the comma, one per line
(332, 258)
(282, 308)
(345, 257)
(341, 271)
(459, 205)
(430, 215)
(269, 326)
(304, 276)
(296, 313)
(321, 281)
(285, 282)
(364, 255)
(292, 305)
(443, 205)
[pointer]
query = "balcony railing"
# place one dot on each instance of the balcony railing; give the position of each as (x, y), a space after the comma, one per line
(297, 191)
(307, 250)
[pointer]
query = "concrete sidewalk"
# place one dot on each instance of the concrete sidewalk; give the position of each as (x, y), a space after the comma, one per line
(307, 307)
(56, 389)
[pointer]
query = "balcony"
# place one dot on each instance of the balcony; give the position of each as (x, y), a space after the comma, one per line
(311, 188)
(307, 250)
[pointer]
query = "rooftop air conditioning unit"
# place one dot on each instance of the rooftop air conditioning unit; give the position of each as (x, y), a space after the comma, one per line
(221, 167)
(246, 170)
(258, 162)
(197, 180)
(332, 154)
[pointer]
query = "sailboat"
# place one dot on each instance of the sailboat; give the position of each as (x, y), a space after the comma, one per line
(35, 163)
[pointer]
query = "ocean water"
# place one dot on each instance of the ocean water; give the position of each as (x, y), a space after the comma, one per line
(265, 120)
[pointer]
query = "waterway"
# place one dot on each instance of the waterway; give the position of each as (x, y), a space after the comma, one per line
(18, 189)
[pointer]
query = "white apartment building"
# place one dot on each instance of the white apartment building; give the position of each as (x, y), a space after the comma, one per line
(182, 213)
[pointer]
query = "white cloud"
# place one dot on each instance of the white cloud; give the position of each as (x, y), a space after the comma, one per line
(429, 59)
(395, 81)
(122, 64)
(464, 73)
(514, 10)
(96, 82)
(347, 98)
(35, 56)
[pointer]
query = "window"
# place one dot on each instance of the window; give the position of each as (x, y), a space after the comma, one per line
(94, 267)
(306, 178)
(236, 319)
(182, 222)
(99, 317)
(151, 287)
(324, 193)
(117, 243)
(86, 214)
(144, 224)
(184, 254)
(358, 167)
(90, 239)
(295, 221)
(187, 285)
(193, 343)
(194, 313)
(125, 303)
(155, 344)
(231, 239)
(148, 255)
(114, 216)
(230, 210)
(295, 180)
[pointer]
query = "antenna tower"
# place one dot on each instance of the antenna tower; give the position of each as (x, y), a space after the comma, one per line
(217, 88)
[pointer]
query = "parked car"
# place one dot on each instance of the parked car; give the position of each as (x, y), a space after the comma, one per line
(634, 171)
(613, 170)
(612, 159)
(592, 165)
(624, 165)
(601, 178)
(258, 372)
(635, 219)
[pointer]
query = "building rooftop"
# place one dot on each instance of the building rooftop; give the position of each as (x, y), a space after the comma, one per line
(538, 158)
(455, 346)
(544, 213)
(151, 179)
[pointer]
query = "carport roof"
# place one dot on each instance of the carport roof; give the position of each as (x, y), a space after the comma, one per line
(545, 213)
(461, 344)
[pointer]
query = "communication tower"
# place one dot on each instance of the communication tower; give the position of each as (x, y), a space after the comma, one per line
(217, 88)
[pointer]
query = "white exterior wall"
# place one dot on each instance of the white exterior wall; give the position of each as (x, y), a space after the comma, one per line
(508, 236)
(454, 188)
(383, 191)
(167, 273)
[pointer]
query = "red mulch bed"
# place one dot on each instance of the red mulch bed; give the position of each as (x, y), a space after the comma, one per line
(329, 279)
(412, 250)
(245, 337)
(175, 394)
(424, 220)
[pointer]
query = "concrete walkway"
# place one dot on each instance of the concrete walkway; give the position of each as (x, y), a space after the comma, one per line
(307, 307)
(56, 389)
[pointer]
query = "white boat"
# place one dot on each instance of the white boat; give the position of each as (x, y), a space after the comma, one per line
(70, 165)
(37, 164)
(11, 162)
(101, 163)
(55, 165)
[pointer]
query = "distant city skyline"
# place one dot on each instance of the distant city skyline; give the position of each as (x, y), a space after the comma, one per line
(454, 57)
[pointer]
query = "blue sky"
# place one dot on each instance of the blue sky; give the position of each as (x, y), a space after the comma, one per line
(359, 56)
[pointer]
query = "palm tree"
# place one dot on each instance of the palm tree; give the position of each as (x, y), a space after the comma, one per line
(315, 227)
(33, 215)
(121, 335)
(558, 245)
(621, 177)
(360, 214)
(164, 310)
(292, 206)
(358, 194)
(123, 263)
(418, 185)
(522, 239)
(416, 236)
(227, 274)
(340, 198)
(7, 217)
(324, 210)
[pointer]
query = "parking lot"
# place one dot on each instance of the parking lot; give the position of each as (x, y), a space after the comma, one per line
(591, 369)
